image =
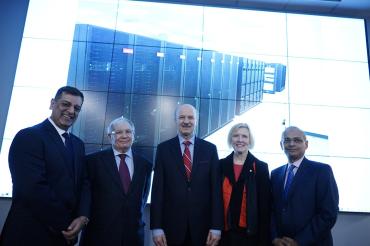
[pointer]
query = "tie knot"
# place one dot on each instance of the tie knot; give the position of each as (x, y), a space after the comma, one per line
(65, 135)
(187, 143)
(122, 156)
(291, 168)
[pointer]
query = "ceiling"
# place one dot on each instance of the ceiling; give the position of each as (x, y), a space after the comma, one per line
(349, 8)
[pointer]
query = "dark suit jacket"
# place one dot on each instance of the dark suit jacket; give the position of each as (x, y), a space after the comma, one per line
(310, 210)
(46, 196)
(263, 188)
(116, 217)
(177, 204)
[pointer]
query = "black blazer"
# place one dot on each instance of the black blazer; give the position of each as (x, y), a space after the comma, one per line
(177, 204)
(311, 207)
(263, 189)
(116, 217)
(46, 196)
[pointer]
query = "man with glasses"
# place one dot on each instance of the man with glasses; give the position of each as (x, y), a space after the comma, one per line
(120, 181)
(305, 196)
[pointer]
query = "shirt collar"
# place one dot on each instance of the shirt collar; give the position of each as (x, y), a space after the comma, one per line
(297, 163)
(128, 152)
(191, 140)
(59, 130)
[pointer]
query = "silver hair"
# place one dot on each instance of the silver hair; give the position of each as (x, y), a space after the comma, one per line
(180, 105)
(293, 128)
(118, 120)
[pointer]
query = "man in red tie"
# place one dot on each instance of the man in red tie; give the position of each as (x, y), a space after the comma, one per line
(120, 181)
(186, 201)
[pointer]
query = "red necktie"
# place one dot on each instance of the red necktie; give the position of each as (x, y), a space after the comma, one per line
(124, 173)
(187, 159)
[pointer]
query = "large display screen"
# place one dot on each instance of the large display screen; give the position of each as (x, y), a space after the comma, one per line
(141, 59)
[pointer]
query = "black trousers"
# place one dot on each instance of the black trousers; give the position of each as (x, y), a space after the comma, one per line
(237, 238)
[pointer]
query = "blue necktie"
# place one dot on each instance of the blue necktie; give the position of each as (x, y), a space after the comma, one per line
(289, 180)
(69, 151)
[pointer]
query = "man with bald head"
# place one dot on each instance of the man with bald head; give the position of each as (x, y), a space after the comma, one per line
(186, 201)
(305, 196)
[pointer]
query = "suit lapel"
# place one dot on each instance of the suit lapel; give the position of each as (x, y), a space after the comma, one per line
(138, 172)
(300, 174)
(110, 162)
(57, 141)
(281, 180)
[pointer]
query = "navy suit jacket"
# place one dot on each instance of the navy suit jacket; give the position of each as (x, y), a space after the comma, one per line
(311, 207)
(178, 205)
(116, 217)
(46, 194)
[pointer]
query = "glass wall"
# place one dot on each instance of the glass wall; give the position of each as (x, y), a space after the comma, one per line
(141, 59)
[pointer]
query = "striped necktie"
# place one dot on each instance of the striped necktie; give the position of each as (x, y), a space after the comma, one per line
(187, 159)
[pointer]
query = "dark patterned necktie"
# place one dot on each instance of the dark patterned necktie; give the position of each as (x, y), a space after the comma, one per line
(124, 173)
(69, 151)
(187, 159)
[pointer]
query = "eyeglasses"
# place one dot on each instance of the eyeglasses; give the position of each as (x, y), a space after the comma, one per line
(294, 140)
(120, 133)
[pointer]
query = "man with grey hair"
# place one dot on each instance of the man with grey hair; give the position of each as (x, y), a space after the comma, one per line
(120, 181)
(305, 196)
(186, 203)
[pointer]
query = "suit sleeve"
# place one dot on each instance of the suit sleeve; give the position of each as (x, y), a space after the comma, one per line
(327, 200)
(264, 205)
(85, 197)
(157, 196)
(30, 183)
(217, 206)
(148, 181)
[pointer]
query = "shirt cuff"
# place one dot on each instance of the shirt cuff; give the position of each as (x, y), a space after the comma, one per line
(157, 232)
(216, 232)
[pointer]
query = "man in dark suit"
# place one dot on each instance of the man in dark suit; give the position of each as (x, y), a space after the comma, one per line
(51, 196)
(186, 202)
(305, 196)
(120, 182)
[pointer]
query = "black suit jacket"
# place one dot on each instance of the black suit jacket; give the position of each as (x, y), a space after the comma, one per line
(311, 207)
(263, 189)
(46, 196)
(116, 217)
(177, 204)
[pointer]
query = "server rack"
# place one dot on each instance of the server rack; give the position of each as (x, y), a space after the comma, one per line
(144, 79)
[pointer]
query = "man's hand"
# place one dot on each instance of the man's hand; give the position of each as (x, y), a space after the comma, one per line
(212, 239)
(289, 241)
(160, 240)
(278, 242)
(74, 228)
(284, 241)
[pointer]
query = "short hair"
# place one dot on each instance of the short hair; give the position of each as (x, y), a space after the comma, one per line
(180, 105)
(293, 128)
(119, 120)
(68, 90)
(236, 127)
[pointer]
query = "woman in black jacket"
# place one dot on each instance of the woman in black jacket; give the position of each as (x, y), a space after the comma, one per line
(246, 192)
